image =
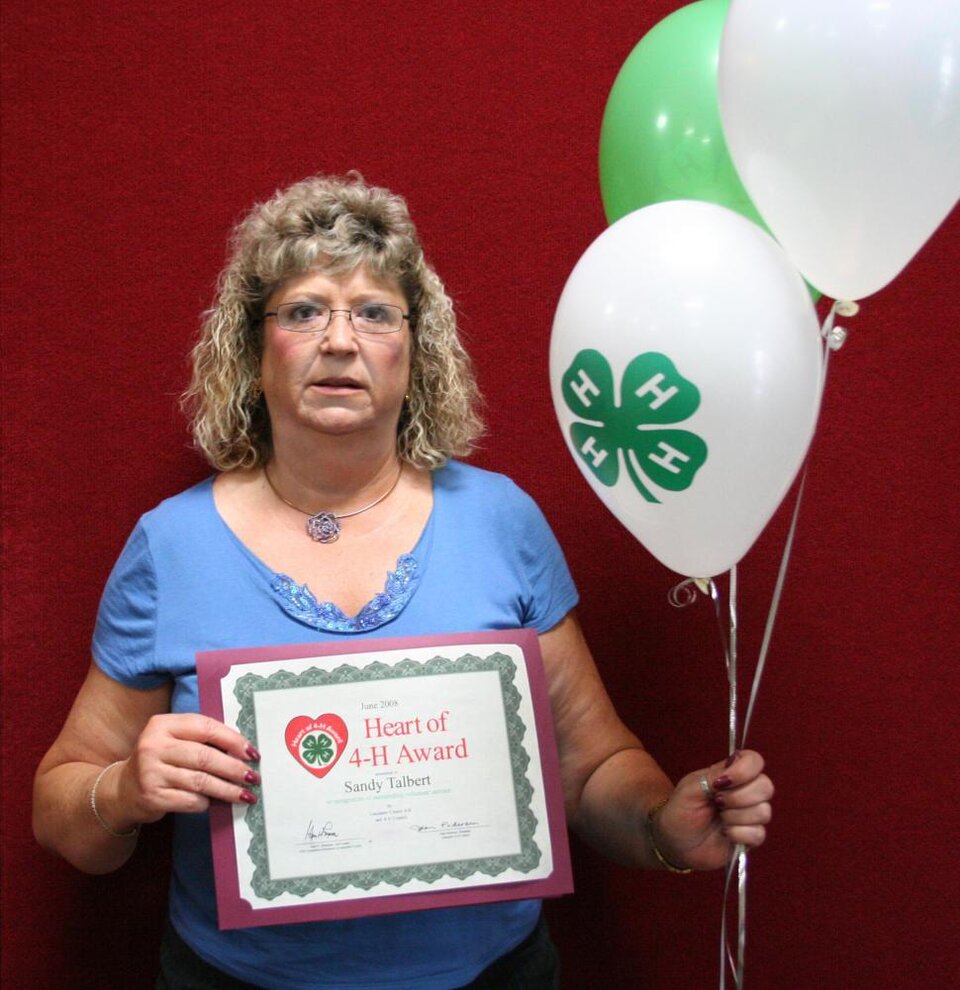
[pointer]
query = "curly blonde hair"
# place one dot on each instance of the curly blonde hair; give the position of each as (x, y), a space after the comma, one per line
(333, 225)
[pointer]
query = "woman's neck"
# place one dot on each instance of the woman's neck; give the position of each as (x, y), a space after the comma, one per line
(333, 474)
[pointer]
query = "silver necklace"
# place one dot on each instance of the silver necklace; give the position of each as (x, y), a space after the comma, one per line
(324, 527)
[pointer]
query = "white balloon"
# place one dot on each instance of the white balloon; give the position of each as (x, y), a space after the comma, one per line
(843, 120)
(685, 366)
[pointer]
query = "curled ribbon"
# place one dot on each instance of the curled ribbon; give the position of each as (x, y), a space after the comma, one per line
(685, 593)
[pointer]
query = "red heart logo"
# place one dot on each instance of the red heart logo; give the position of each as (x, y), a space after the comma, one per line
(317, 743)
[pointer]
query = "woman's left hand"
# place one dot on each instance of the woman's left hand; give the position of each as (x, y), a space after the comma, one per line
(712, 810)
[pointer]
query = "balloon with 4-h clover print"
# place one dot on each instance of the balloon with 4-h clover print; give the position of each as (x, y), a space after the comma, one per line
(685, 367)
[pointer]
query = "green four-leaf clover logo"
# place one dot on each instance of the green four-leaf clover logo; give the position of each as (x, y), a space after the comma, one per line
(654, 395)
(317, 750)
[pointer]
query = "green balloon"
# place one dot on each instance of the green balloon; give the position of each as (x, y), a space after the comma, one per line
(661, 137)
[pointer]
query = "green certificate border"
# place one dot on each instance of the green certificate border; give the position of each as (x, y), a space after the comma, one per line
(529, 857)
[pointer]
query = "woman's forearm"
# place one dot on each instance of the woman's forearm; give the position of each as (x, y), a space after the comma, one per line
(64, 821)
(611, 813)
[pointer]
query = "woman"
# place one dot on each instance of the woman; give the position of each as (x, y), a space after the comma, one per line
(330, 392)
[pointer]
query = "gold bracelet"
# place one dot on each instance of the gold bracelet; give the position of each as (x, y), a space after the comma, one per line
(96, 813)
(661, 859)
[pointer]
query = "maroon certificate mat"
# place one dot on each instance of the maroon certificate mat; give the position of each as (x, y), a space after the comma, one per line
(397, 775)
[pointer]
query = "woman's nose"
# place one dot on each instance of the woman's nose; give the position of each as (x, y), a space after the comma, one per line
(339, 335)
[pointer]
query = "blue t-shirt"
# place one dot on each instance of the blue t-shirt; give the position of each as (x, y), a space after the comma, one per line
(486, 560)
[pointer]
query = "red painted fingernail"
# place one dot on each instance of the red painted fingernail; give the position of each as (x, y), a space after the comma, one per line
(248, 798)
(732, 758)
(252, 777)
(718, 800)
(252, 754)
(722, 782)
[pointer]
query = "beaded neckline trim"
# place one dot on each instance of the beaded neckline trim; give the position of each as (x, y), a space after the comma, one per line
(299, 601)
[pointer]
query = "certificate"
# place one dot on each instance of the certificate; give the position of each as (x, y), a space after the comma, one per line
(397, 775)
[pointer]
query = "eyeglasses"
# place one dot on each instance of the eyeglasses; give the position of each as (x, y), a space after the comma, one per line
(310, 317)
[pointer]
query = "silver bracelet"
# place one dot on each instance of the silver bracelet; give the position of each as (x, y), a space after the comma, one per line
(652, 839)
(96, 813)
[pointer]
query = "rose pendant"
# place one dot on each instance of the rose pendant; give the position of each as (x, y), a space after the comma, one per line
(323, 528)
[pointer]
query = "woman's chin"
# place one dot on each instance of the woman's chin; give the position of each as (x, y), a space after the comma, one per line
(343, 422)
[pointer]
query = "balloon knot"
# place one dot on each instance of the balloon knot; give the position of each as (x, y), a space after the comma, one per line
(836, 337)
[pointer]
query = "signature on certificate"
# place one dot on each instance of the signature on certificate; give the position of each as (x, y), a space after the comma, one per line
(324, 831)
(446, 826)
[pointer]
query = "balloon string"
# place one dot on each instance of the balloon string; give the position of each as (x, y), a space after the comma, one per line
(833, 339)
(684, 594)
(726, 960)
(741, 860)
(738, 866)
(738, 862)
(774, 609)
(732, 668)
(728, 639)
(680, 596)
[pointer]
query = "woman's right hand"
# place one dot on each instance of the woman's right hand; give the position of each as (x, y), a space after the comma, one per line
(181, 763)
(164, 762)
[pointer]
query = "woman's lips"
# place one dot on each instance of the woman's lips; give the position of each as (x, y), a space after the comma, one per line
(338, 384)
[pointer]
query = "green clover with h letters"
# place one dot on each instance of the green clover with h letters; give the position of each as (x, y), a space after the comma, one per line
(654, 396)
(318, 749)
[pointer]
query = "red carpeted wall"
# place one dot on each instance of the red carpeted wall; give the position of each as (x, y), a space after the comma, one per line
(135, 135)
